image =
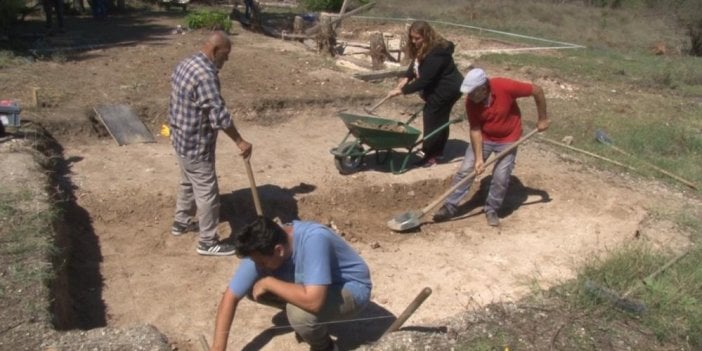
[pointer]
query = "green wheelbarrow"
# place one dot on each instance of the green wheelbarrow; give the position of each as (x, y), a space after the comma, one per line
(370, 134)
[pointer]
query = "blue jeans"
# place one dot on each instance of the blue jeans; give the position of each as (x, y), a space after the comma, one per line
(500, 176)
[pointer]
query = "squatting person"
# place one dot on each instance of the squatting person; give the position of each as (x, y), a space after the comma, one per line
(304, 268)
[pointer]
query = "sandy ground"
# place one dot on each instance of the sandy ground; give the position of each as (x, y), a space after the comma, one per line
(559, 212)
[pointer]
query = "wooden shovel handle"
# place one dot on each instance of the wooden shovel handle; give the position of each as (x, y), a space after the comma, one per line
(374, 107)
(252, 184)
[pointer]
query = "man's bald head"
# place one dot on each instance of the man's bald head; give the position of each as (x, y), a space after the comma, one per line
(217, 47)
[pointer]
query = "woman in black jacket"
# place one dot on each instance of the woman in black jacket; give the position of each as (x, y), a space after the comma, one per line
(433, 73)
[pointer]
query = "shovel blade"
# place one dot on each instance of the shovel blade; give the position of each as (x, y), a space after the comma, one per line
(405, 221)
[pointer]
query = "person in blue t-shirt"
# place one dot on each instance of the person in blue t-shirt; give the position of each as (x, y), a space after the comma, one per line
(302, 267)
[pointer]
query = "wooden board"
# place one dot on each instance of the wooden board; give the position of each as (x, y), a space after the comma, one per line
(124, 125)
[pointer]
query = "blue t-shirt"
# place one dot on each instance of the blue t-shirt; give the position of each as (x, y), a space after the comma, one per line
(319, 257)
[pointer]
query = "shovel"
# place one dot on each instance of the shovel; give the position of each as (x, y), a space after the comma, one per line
(602, 137)
(412, 219)
(252, 184)
(374, 107)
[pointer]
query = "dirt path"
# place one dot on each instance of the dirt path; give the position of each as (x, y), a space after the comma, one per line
(562, 214)
(559, 214)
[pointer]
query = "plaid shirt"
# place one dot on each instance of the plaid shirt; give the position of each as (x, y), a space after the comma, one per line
(197, 110)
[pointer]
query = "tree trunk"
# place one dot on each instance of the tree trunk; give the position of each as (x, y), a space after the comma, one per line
(326, 39)
(298, 26)
(377, 50)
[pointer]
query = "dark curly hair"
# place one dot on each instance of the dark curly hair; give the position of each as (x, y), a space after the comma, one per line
(261, 235)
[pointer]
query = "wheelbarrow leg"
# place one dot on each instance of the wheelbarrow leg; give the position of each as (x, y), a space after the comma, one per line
(403, 167)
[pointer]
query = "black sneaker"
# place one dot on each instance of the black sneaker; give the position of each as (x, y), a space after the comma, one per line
(217, 249)
(444, 214)
(492, 219)
(181, 228)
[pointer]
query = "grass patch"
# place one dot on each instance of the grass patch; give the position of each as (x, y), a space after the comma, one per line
(673, 298)
(23, 239)
(9, 59)
(208, 19)
(677, 75)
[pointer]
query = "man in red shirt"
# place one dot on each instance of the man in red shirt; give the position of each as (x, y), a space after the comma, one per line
(495, 123)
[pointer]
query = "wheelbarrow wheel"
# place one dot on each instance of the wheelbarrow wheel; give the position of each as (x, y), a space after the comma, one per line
(352, 161)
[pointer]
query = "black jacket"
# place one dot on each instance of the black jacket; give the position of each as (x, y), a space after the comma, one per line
(439, 79)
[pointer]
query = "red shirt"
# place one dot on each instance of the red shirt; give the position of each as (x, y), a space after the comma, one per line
(500, 121)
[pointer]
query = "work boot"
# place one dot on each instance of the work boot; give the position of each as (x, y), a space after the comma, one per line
(445, 213)
(492, 219)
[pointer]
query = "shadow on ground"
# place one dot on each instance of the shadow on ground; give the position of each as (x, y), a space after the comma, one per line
(517, 196)
(238, 207)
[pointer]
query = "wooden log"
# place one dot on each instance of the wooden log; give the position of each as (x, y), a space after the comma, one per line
(377, 50)
(298, 25)
(403, 56)
(317, 27)
(378, 75)
(341, 13)
(326, 38)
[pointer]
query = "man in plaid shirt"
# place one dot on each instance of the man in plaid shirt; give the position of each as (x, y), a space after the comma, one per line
(196, 113)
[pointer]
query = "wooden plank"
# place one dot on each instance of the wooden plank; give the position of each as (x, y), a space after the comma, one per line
(382, 74)
(123, 124)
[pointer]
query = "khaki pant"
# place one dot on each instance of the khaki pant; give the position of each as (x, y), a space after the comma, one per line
(313, 328)
(199, 192)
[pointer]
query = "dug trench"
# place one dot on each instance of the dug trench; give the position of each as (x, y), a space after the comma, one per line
(126, 269)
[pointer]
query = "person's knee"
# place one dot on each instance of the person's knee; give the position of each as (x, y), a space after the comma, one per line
(299, 317)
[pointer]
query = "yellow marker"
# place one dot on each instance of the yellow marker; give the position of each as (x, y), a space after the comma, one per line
(165, 130)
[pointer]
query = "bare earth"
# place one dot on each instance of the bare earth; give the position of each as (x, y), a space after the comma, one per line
(560, 212)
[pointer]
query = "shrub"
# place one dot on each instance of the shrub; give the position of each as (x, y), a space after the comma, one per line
(213, 20)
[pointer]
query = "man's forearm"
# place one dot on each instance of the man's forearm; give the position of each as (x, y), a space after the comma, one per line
(223, 321)
(308, 298)
(476, 140)
(233, 133)
(540, 100)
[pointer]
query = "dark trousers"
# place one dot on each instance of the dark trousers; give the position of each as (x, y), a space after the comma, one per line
(49, 5)
(434, 115)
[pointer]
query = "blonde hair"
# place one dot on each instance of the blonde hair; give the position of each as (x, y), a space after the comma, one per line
(431, 39)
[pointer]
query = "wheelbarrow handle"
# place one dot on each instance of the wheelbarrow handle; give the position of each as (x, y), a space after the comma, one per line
(437, 130)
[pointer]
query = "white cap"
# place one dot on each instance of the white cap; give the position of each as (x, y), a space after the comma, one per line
(474, 78)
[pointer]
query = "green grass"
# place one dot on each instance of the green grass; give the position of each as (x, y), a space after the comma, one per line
(25, 245)
(208, 19)
(673, 300)
(9, 59)
(654, 120)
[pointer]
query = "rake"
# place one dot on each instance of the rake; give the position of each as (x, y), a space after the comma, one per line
(602, 137)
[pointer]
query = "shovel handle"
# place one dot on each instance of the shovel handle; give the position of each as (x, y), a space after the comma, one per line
(252, 184)
(462, 182)
(413, 306)
(374, 107)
